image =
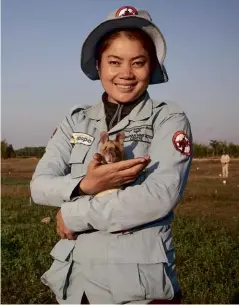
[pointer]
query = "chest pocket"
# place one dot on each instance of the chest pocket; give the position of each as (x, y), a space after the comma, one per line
(77, 160)
(138, 140)
(139, 133)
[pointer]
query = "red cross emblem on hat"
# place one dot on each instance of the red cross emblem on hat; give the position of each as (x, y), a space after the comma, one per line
(126, 11)
(182, 143)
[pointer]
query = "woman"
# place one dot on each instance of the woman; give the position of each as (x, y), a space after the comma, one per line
(117, 248)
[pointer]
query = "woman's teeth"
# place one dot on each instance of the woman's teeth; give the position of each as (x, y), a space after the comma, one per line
(125, 87)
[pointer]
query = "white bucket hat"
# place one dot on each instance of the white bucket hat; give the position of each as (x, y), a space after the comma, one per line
(126, 17)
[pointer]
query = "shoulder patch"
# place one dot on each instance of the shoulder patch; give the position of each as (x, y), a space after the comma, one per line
(182, 143)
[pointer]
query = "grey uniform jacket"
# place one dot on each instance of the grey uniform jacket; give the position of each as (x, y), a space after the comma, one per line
(153, 128)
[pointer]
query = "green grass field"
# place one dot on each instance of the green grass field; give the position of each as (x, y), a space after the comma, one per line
(205, 230)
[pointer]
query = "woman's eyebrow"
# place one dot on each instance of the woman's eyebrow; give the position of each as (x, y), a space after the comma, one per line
(138, 57)
(120, 58)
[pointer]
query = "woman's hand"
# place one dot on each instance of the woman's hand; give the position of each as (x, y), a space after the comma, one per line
(104, 177)
(61, 228)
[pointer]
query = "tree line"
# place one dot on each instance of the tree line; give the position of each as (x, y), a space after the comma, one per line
(7, 151)
(213, 149)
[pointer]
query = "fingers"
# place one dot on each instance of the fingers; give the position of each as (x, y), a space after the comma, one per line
(126, 181)
(70, 235)
(60, 233)
(122, 165)
(97, 157)
(128, 171)
(65, 233)
(133, 171)
(147, 158)
(61, 229)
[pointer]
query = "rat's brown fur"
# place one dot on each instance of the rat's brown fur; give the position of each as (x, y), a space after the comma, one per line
(112, 150)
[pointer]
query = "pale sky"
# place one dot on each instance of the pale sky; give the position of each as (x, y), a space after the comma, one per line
(42, 79)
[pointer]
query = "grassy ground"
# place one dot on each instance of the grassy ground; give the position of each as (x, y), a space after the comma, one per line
(205, 230)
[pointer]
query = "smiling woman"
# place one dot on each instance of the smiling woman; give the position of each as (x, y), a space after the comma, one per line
(117, 248)
(125, 60)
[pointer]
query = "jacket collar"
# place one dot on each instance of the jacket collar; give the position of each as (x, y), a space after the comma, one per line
(142, 111)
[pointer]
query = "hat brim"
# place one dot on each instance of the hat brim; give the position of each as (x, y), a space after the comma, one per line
(88, 56)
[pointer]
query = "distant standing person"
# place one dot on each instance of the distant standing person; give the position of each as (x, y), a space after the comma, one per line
(225, 159)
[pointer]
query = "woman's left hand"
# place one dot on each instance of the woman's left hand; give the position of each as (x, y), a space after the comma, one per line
(61, 228)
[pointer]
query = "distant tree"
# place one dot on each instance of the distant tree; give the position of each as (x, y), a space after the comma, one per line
(223, 148)
(7, 151)
(233, 150)
(202, 151)
(10, 152)
(31, 152)
(215, 146)
(4, 146)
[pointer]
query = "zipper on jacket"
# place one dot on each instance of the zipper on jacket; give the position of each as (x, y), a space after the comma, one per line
(117, 113)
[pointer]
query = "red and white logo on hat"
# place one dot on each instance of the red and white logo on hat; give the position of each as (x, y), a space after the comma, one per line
(182, 143)
(126, 11)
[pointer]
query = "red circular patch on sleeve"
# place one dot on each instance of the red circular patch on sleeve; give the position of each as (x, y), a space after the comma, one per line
(182, 143)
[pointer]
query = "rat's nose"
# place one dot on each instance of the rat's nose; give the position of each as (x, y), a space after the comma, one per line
(112, 151)
(110, 155)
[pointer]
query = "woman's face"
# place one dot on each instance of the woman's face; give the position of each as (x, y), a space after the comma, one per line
(124, 70)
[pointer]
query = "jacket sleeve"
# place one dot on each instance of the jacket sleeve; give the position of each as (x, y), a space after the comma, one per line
(154, 198)
(52, 183)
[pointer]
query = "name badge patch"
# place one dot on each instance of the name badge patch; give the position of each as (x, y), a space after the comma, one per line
(142, 133)
(81, 138)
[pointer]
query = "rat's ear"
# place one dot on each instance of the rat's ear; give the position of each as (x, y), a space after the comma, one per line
(104, 137)
(120, 137)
